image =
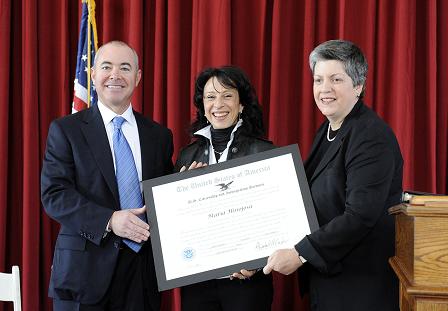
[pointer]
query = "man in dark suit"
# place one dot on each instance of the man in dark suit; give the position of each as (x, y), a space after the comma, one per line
(103, 259)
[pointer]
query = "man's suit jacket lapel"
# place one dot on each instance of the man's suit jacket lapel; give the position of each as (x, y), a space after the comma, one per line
(96, 137)
(146, 144)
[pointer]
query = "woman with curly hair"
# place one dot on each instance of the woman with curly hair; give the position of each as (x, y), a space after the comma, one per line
(228, 125)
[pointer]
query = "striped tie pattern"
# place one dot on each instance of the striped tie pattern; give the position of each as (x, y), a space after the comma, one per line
(127, 176)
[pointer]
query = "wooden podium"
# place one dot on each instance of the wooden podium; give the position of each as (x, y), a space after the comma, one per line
(421, 255)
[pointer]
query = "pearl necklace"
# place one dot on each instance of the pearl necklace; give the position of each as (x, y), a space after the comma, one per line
(328, 133)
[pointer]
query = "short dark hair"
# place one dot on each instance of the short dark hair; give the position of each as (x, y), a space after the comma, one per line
(230, 77)
(348, 53)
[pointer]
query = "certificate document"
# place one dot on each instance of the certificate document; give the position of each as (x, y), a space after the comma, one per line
(210, 222)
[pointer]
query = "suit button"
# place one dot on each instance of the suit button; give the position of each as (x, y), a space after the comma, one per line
(116, 244)
(206, 152)
(234, 150)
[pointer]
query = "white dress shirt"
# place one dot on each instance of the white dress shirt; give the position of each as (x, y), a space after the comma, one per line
(130, 131)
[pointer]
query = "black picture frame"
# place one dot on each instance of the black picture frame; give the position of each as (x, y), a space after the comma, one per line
(148, 185)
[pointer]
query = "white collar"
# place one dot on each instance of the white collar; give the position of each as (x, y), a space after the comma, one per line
(207, 133)
(107, 114)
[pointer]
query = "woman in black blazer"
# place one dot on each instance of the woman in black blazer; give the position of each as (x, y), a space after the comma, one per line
(228, 125)
(355, 171)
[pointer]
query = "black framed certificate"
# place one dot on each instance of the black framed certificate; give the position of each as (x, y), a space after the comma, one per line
(211, 222)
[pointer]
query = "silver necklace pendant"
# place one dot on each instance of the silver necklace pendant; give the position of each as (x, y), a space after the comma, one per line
(328, 133)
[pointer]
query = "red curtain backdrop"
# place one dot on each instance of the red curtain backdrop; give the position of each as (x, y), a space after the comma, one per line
(405, 41)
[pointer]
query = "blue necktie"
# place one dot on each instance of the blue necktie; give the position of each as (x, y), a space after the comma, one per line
(127, 176)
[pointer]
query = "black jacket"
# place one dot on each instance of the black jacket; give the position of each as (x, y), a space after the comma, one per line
(358, 178)
(79, 190)
(241, 146)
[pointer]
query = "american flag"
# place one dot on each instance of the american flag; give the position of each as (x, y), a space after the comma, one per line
(87, 43)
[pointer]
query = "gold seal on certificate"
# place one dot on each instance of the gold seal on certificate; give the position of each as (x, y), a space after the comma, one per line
(210, 222)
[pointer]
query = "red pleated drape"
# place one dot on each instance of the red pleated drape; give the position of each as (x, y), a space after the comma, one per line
(405, 42)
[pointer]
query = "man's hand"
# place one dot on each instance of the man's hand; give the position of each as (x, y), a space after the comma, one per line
(284, 261)
(193, 166)
(127, 224)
